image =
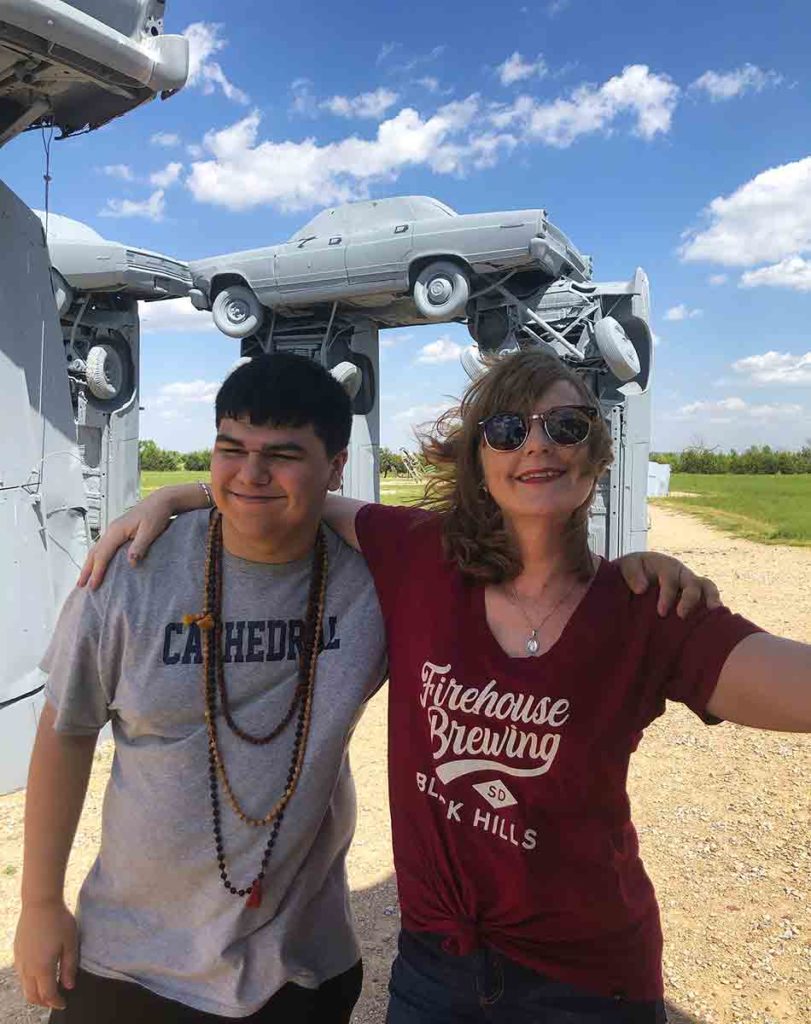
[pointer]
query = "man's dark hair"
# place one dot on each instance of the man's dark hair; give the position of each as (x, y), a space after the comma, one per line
(284, 390)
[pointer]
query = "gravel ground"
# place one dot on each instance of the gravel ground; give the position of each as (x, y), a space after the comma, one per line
(724, 828)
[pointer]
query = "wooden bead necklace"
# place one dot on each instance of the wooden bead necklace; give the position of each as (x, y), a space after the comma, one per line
(211, 625)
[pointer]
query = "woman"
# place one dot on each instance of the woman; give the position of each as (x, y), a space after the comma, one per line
(523, 672)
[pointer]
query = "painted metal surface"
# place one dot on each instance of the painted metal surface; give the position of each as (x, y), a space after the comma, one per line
(78, 65)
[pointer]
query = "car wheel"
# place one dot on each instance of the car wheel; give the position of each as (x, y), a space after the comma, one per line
(237, 311)
(106, 373)
(617, 349)
(441, 290)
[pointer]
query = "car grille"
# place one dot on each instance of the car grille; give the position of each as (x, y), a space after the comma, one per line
(158, 265)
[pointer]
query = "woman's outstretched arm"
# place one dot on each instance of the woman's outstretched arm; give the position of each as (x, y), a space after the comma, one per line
(765, 683)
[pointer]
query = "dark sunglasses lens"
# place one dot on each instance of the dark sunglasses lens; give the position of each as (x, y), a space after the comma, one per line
(505, 431)
(567, 426)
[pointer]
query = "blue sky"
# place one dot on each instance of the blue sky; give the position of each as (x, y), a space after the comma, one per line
(671, 136)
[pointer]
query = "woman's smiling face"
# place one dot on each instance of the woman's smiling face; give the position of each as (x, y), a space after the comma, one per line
(541, 478)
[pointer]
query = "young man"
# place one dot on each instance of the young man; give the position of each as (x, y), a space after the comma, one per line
(233, 667)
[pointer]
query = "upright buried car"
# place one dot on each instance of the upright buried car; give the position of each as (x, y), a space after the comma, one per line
(404, 260)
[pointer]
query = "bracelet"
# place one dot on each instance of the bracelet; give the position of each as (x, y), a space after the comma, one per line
(208, 494)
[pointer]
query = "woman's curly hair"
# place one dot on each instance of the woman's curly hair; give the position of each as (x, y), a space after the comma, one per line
(474, 533)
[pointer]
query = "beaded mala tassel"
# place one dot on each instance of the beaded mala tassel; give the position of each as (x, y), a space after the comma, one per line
(210, 623)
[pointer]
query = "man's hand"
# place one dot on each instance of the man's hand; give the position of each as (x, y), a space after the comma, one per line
(46, 951)
(676, 582)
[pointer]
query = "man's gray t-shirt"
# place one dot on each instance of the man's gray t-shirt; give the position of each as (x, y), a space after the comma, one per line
(153, 909)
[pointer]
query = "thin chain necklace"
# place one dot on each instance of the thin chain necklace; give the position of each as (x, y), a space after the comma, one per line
(533, 643)
(215, 685)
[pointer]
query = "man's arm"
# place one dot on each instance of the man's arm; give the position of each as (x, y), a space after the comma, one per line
(46, 943)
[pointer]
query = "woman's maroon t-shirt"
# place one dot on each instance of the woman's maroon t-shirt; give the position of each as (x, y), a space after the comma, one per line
(507, 776)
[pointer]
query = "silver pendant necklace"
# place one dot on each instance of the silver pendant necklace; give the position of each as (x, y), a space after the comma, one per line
(533, 644)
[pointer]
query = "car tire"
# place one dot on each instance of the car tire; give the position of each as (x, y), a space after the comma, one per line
(237, 311)
(617, 349)
(441, 290)
(106, 373)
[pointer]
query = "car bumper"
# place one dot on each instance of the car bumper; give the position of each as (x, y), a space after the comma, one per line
(159, 64)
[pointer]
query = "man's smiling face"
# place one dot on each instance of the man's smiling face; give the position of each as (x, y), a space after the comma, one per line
(269, 482)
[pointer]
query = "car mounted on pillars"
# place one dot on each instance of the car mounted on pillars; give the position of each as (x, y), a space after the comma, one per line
(400, 261)
(97, 285)
(71, 66)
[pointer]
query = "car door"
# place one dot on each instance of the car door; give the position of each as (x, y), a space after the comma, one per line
(311, 269)
(378, 253)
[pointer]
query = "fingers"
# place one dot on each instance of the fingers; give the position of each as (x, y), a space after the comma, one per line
(691, 595)
(668, 592)
(87, 568)
(147, 533)
(69, 964)
(40, 988)
(634, 573)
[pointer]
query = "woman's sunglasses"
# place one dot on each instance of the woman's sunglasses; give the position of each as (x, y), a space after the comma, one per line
(565, 425)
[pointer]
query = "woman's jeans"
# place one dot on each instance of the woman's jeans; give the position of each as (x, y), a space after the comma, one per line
(430, 986)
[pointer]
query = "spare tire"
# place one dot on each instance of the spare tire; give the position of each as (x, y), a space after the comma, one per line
(617, 349)
(106, 373)
(441, 290)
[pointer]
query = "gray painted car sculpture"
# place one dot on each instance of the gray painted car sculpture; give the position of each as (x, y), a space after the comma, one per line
(399, 261)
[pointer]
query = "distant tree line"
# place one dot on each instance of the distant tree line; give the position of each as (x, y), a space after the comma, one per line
(759, 459)
(155, 458)
(163, 459)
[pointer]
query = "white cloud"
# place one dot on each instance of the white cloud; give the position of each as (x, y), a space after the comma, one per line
(166, 139)
(372, 105)
(123, 172)
(385, 51)
(243, 171)
(153, 207)
(729, 410)
(775, 368)
(188, 392)
(765, 220)
(516, 69)
(167, 176)
(657, 339)
(728, 84)
(173, 316)
(443, 350)
(716, 279)
(205, 40)
(556, 6)
(419, 415)
(793, 273)
(682, 312)
(648, 98)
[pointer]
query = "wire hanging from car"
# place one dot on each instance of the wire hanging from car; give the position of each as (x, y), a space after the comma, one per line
(47, 139)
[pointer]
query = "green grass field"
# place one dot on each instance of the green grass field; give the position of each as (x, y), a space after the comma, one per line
(769, 509)
(393, 491)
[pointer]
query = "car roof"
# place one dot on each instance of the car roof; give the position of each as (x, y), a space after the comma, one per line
(368, 212)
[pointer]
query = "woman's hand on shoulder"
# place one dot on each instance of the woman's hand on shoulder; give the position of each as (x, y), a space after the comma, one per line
(678, 585)
(142, 525)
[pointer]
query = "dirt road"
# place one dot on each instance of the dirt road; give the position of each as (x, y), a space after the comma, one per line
(723, 816)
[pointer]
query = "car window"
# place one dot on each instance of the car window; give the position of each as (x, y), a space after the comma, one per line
(425, 207)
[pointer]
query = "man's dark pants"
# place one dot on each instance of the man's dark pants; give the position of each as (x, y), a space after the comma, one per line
(97, 1000)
